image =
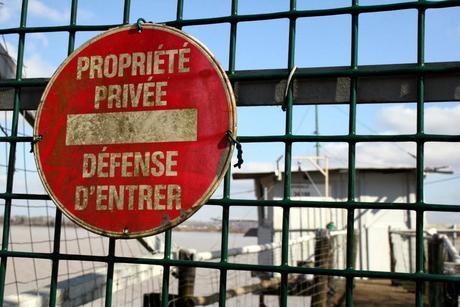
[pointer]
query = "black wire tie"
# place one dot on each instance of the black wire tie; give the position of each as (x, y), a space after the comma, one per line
(288, 85)
(239, 149)
(35, 140)
(139, 25)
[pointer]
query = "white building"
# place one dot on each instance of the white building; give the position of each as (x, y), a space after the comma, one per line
(389, 185)
(7, 65)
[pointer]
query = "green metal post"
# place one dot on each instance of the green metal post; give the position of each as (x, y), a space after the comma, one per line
(226, 196)
(224, 241)
(58, 217)
(317, 129)
(179, 12)
(419, 245)
(12, 152)
(110, 267)
(352, 157)
(166, 270)
(126, 9)
(288, 160)
(55, 261)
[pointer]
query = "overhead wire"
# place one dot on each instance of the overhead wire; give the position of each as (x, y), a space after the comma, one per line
(443, 180)
(26, 188)
(376, 132)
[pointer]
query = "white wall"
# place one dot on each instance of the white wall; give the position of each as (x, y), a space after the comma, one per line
(377, 186)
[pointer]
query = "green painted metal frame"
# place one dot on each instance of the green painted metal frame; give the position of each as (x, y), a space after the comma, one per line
(288, 138)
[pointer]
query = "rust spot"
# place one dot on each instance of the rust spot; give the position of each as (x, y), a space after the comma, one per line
(165, 220)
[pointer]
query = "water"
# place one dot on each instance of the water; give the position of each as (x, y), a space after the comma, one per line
(28, 275)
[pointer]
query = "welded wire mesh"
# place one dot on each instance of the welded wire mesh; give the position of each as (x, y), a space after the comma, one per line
(63, 261)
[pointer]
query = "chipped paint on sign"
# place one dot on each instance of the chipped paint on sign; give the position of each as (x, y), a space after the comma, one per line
(134, 131)
(132, 127)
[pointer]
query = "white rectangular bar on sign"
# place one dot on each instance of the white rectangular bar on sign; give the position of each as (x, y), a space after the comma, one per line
(132, 127)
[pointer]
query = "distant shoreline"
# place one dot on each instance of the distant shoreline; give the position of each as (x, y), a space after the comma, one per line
(177, 228)
(42, 221)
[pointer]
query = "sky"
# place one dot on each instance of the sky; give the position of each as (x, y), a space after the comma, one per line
(384, 38)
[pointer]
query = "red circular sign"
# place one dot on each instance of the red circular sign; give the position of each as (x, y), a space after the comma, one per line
(133, 130)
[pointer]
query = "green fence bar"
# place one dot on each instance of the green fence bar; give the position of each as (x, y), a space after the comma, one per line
(166, 270)
(55, 258)
(352, 156)
(126, 9)
(419, 245)
(110, 266)
(12, 153)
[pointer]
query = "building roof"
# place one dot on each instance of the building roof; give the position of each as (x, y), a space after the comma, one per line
(255, 175)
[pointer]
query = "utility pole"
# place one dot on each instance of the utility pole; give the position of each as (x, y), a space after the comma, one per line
(317, 129)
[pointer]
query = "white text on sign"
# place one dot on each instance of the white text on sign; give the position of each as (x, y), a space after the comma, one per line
(131, 125)
(130, 197)
(135, 64)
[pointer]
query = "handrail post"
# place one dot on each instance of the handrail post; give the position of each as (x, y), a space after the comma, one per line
(435, 265)
(323, 259)
(186, 277)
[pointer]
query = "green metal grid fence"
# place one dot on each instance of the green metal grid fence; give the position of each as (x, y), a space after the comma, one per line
(420, 276)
